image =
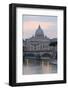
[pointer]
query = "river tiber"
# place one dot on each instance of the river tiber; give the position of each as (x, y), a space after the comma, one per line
(39, 54)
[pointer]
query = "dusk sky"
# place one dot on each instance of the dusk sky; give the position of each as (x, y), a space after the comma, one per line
(47, 23)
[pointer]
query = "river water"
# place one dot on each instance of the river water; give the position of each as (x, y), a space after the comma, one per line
(38, 67)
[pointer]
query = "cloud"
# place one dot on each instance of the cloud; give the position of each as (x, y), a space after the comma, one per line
(29, 28)
(31, 25)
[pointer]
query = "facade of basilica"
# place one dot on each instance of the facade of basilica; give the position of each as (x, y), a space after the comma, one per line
(39, 42)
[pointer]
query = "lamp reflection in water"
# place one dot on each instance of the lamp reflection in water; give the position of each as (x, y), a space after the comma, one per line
(38, 67)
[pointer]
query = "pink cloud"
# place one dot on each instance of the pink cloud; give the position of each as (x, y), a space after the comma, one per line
(29, 27)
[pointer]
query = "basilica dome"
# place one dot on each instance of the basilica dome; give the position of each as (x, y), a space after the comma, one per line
(39, 33)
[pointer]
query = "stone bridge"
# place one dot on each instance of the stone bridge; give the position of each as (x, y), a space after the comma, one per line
(38, 54)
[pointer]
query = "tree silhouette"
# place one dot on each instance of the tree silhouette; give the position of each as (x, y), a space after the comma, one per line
(53, 44)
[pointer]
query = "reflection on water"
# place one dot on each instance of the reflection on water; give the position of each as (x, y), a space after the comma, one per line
(38, 67)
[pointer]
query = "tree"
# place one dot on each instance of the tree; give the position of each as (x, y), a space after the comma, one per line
(53, 44)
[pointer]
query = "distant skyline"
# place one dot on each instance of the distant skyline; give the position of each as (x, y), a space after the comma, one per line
(31, 23)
